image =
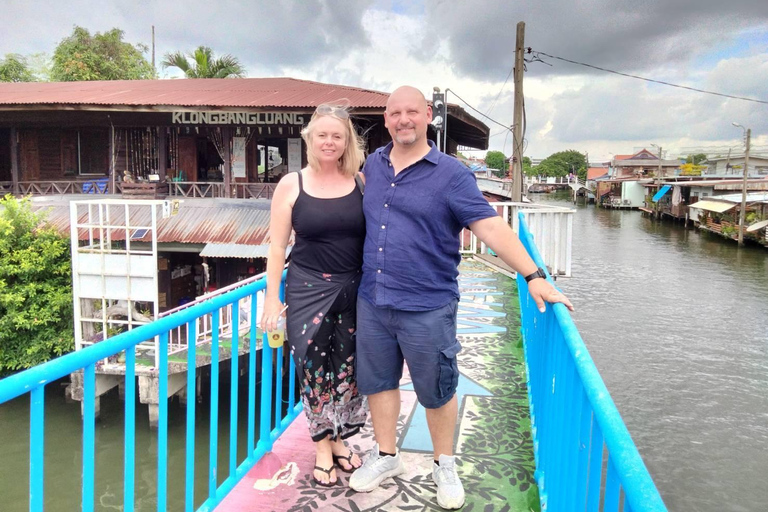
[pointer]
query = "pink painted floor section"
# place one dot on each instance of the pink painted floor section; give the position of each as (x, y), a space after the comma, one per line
(282, 479)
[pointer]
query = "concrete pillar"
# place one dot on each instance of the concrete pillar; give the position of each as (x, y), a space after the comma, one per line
(103, 384)
(149, 391)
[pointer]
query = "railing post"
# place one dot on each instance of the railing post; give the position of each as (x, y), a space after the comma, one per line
(36, 448)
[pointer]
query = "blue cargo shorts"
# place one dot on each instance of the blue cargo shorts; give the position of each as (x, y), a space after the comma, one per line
(426, 340)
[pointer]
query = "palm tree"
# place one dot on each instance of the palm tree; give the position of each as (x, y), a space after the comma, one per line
(204, 64)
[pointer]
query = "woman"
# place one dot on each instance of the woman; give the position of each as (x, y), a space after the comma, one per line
(324, 206)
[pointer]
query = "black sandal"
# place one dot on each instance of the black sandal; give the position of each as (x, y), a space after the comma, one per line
(348, 458)
(327, 472)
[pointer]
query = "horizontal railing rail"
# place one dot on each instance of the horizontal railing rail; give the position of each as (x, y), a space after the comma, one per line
(585, 456)
(551, 225)
(62, 187)
(271, 420)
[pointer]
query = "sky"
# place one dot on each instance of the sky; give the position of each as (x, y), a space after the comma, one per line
(468, 48)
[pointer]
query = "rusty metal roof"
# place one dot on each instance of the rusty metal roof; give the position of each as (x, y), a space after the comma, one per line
(225, 92)
(199, 221)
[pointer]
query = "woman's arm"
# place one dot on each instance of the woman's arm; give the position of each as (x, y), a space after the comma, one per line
(280, 227)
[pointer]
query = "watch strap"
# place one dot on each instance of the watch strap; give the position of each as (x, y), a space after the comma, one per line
(539, 273)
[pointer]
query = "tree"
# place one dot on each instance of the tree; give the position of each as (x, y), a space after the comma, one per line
(35, 288)
(496, 160)
(204, 64)
(103, 56)
(562, 163)
(528, 169)
(14, 68)
(696, 159)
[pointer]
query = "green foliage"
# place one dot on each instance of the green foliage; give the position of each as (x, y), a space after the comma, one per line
(496, 160)
(35, 288)
(103, 56)
(204, 64)
(528, 169)
(729, 231)
(696, 159)
(14, 68)
(562, 163)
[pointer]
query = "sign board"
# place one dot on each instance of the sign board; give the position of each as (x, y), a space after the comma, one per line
(238, 157)
(237, 118)
(294, 155)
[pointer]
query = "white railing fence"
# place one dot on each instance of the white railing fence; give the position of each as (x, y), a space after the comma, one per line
(551, 226)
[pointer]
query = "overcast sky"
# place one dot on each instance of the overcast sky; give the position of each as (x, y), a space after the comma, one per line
(468, 46)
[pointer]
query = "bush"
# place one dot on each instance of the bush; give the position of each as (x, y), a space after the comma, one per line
(36, 322)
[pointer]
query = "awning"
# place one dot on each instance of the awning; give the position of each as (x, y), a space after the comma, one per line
(663, 190)
(757, 226)
(237, 251)
(713, 206)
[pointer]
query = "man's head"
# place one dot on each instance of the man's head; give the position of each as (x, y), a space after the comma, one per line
(407, 116)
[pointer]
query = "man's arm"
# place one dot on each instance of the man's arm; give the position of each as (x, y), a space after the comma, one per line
(497, 235)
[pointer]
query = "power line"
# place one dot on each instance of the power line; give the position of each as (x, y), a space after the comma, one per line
(536, 54)
(500, 90)
(473, 108)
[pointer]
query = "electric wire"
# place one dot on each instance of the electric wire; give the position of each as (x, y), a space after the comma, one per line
(537, 53)
(493, 104)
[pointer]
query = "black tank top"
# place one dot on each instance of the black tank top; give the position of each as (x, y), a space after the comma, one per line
(329, 232)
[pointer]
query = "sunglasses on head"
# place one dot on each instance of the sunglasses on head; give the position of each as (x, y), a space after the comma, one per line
(339, 112)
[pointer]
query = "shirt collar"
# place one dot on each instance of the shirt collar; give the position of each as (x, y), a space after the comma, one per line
(432, 156)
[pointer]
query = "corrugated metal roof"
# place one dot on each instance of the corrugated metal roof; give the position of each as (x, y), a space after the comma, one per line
(238, 251)
(221, 221)
(752, 197)
(226, 92)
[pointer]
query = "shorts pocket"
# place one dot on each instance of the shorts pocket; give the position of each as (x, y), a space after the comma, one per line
(449, 369)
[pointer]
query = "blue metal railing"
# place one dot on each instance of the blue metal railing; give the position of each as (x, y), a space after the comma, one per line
(34, 380)
(585, 457)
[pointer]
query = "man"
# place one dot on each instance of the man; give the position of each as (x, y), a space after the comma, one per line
(417, 200)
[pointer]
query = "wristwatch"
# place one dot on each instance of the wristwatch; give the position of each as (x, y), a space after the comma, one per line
(539, 273)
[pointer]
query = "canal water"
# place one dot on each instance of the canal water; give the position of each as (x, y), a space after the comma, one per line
(63, 454)
(676, 321)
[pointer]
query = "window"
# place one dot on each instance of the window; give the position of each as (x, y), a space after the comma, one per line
(93, 152)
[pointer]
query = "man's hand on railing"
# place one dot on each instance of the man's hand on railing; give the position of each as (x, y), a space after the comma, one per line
(543, 291)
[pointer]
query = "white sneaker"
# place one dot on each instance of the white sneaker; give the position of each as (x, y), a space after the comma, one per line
(375, 470)
(450, 492)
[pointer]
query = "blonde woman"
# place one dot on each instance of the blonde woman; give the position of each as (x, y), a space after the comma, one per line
(323, 204)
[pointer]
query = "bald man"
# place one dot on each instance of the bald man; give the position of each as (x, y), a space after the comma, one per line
(416, 202)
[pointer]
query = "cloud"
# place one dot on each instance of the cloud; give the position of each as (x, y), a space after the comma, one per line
(623, 35)
(264, 34)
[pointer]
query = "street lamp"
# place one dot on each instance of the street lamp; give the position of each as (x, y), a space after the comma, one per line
(747, 136)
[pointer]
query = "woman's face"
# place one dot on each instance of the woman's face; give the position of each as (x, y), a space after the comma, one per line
(329, 139)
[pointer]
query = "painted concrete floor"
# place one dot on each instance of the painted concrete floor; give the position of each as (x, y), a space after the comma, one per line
(493, 437)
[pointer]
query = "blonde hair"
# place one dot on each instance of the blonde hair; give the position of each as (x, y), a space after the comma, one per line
(353, 157)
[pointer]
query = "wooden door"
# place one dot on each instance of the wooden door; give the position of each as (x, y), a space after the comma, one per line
(188, 157)
(30, 155)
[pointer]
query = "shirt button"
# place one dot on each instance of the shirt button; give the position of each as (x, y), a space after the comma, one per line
(392, 184)
(378, 271)
(383, 226)
(386, 205)
(381, 249)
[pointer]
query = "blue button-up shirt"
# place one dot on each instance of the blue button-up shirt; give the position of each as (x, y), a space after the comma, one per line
(413, 221)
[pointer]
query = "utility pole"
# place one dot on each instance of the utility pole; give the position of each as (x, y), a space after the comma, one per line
(153, 50)
(658, 174)
(742, 213)
(517, 128)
